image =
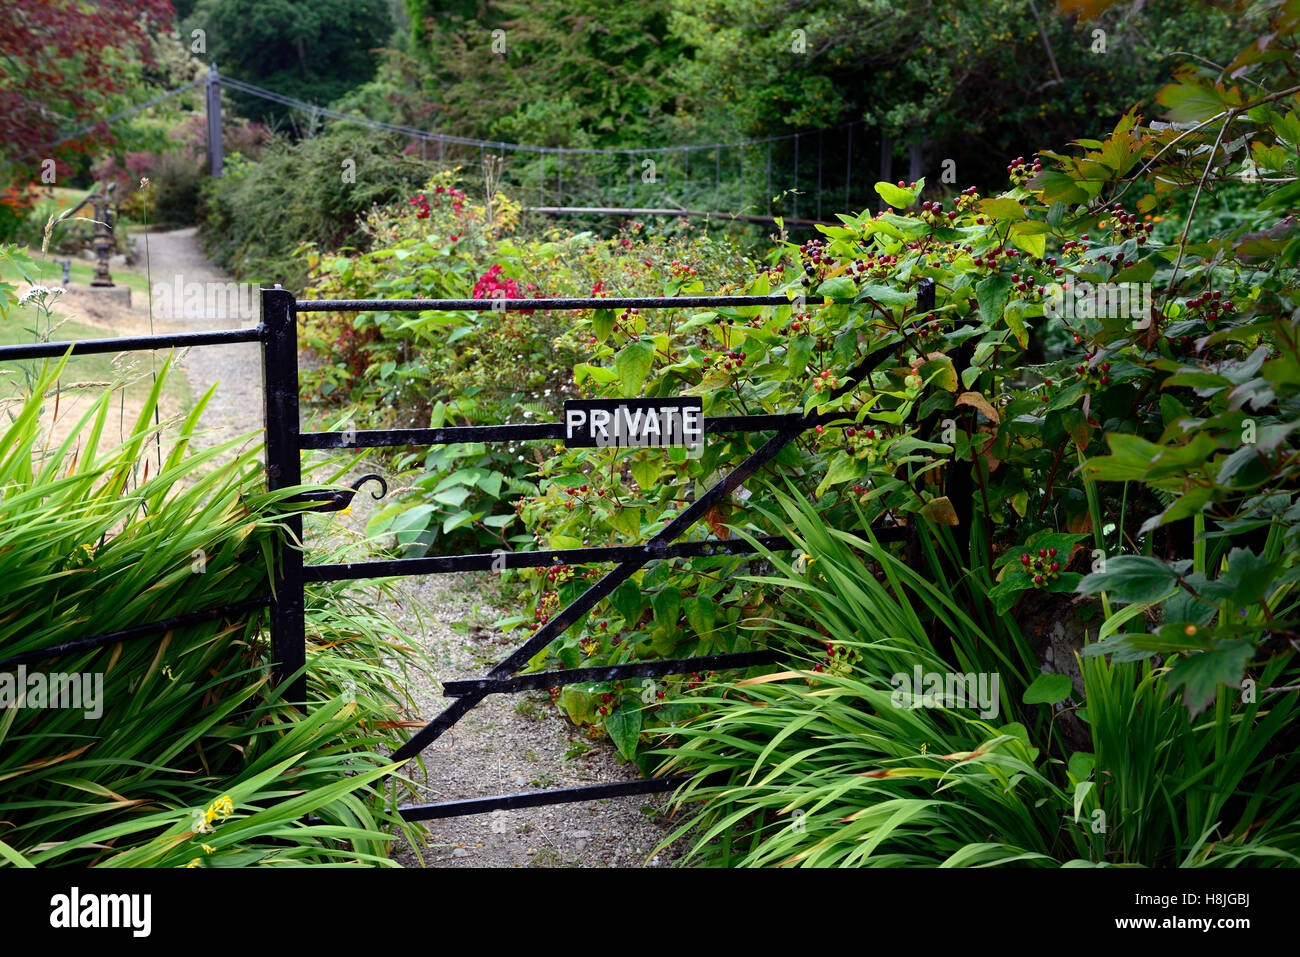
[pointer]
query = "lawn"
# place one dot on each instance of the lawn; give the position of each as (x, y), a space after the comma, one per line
(20, 325)
(51, 273)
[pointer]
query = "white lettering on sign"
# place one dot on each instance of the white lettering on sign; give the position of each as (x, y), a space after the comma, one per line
(633, 423)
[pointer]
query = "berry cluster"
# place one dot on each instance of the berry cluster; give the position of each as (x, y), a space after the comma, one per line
(968, 198)
(697, 679)
(559, 574)
(1022, 171)
(1075, 246)
(680, 269)
(1210, 306)
(1042, 568)
(549, 601)
(421, 204)
(868, 443)
(1026, 284)
(932, 213)
(872, 266)
(1095, 376)
(728, 363)
(990, 259)
(607, 699)
(1126, 226)
(838, 660)
(815, 260)
(825, 381)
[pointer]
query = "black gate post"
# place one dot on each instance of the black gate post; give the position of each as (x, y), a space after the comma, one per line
(284, 469)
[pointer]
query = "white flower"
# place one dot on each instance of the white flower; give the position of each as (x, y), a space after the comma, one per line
(39, 294)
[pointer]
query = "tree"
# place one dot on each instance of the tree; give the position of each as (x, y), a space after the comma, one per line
(313, 50)
(62, 63)
(584, 73)
(983, 80)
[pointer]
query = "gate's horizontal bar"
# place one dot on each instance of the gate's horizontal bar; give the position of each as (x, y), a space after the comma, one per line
(86, 347)
(552, 431)
(500, 561)
(638, 669)
(534, 305)
(137, 631)
(499, 802)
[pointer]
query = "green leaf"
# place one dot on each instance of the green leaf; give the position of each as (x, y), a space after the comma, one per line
(1002, 207)
(886, 295)
(1080, 795)
(624, 728)
(633, 363)
(583, 371)
(699, 612)
(841, 289)
(1130, 578)
(628, 601)
(991, 294)
(1048, 689)
(1200, 675)
(897, 196)
(646, 472)
(843, 468)
(798, 352)
(602, 324)
(667, 607)
(1030, 237)
(454, 496)
(626, 520)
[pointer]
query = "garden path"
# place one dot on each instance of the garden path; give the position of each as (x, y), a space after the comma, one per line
(508, 743)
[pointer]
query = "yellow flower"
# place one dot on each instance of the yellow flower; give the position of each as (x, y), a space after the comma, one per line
(194, 863)
(209, 849)
(220, 809)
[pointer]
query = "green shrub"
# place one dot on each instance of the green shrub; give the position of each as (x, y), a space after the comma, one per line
(315, 191)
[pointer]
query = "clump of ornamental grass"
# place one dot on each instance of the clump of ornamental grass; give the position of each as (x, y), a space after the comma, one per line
(852, 764)
(183, 753)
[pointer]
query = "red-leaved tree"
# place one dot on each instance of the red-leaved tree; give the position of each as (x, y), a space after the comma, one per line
(61, 62)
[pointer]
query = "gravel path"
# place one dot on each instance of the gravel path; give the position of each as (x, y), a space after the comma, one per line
(509, 743)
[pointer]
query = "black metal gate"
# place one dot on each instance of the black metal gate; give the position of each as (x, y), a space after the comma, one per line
(284, 443)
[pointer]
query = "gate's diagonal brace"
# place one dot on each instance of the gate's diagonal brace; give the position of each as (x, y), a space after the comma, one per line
(540, 639)
(654, 548)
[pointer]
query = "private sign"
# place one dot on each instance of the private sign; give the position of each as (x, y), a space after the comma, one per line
(633, 423)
